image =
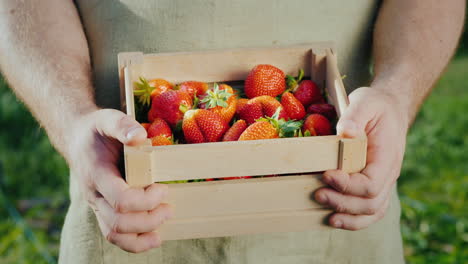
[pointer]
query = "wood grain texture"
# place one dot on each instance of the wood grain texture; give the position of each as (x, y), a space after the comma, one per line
(353, 154)
(244, 196)
(248, 158)
(335, 87)
(225, 65)
(234, 225)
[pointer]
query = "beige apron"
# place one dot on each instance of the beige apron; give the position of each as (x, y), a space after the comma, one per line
(185, 25)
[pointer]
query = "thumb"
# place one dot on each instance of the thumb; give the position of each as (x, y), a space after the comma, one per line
(357, 115)
(115, 124)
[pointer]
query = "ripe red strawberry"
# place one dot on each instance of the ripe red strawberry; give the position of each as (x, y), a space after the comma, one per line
(317, 125)
(259, 130)
(201, 125)
(220, 99)
(161, 140)
(292, 106)
(193, 87)
(306, 91)
(261, 106)
(146, 90)
(169, 106)
(271, 127)
(235, 131)
(240, 104)
(264, 79)
(159, 127)
(326, 110)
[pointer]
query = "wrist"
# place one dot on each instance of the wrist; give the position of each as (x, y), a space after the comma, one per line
(400, 90)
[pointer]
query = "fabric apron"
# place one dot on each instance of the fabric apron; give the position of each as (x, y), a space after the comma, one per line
(177, 25)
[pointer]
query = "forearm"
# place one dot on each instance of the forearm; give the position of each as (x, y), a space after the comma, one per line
(413, 42)
(46, 62)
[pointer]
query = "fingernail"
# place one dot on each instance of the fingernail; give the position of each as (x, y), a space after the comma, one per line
(133, 131)
(337, 223)
(322, 198)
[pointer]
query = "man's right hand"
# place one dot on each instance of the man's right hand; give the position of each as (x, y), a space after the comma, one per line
(127, 216)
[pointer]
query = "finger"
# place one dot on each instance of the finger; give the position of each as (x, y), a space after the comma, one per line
(131, 242)
(116, 124)
(356, 222)
(344, 203)
(136, 222)
(122, 197)
(355, 119)
(358, 184)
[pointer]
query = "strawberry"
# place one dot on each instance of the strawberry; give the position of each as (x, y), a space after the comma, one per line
(145, 126)
(326, 110)
(261, 106)
(271, 127)
(159, 127)
(193, 88)
(259, 130)
(264, 79)
(146, 90)
(317, 125)
(306, 91)
(161, 140)
(170, 106)
(240, 104)
(235, 131)
(221, 100)
(201, 125)
(293, 107)
(160, 86)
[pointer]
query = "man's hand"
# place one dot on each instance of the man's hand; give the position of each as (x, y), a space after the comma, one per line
(127, 216)
(361, 199)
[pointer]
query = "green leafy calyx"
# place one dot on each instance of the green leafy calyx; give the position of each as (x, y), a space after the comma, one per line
(216, 97)
(143, 91)
(285, 128)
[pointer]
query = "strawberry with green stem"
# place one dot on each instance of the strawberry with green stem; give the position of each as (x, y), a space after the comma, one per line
(170, 106)
(220, 99)
(261, 106)
(146, 90)
(305, 91)
(271, 127)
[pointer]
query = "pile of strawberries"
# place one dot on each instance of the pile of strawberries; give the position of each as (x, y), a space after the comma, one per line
(274, 106)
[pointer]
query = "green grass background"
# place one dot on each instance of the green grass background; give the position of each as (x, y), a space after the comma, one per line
(433, 185)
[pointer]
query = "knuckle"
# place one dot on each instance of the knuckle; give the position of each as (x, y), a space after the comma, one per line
(117, 223)
(111, 237)
(372, 190)
(340, 207)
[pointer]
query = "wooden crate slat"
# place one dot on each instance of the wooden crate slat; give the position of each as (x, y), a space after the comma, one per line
(353, 154)
(225, 65)
(205, 227)
(249, 158)
(236, 196)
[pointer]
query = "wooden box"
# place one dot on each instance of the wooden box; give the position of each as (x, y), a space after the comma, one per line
(244, 206)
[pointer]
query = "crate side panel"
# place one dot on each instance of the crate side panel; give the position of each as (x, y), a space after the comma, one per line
(228, 65)
(335, 87)
(205, 227)
(243, 196)
(246, 158)
(137, 167)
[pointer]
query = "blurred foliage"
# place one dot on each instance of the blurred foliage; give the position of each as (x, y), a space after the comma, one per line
(433, 183)
(434, 180)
